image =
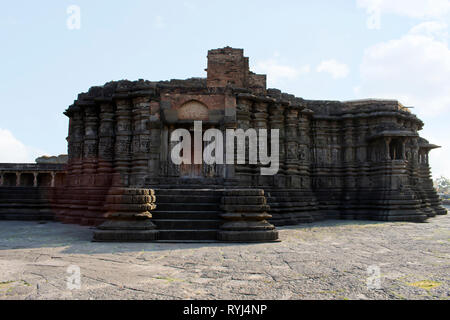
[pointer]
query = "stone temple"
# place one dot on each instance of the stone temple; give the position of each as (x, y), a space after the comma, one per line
(338, 160)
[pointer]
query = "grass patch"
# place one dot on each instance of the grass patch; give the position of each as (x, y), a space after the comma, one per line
(425, 284)
(5, 284)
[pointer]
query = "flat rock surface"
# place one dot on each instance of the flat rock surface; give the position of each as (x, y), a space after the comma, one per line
(325, 260)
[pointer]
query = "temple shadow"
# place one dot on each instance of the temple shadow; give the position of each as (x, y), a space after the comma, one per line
(75, 239)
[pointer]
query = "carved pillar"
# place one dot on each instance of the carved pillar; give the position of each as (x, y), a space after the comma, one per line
(35, 180)
(106, 144)
(155, 149)
(350, 172)
(244, 106)
(90, 145)
(387, 143)
(277, 122)
(70, 143)
(52, 184)
(76, 139)
(260, 121)
(141, 141)
(349, 143)
(363, 182)
(305, 148)
(122, 161)
(291, 123)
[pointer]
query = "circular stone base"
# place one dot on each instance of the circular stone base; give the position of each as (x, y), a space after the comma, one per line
(126, 231)
(125, 235)
(248, 236)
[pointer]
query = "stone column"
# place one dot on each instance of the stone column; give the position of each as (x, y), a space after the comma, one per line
(350, 173)
(52, 184)
(260, 121)
(141, 141)
(364, 176)
(243, 172)
(305, 148)
(387, 142)
(82, 168)
(69, 143)
(277, 122)
(76, 139)
(348, 141)
(90, 149)
(17, 179)
(361, 151)
(1, 179)
(307, 210)
(230, 123)
(122, 161)
(106, 144)
(155, 150)
(291, 122)
(35, 180)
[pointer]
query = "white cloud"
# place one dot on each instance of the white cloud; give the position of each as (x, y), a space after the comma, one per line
(336, 69)
(277, 72)
(414, 69)
(12, 150)
(421, 9)
(432, 29)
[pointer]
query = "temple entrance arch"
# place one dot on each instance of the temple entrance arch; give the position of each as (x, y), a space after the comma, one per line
(183, 114)
(193, 110)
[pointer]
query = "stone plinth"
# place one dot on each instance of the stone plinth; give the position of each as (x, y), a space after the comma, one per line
(128, 216)
(245, 215)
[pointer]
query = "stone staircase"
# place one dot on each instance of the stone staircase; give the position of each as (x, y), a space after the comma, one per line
(187, 214)
(25, 203)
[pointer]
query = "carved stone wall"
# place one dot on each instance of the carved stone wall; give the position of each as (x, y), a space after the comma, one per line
(347, 160)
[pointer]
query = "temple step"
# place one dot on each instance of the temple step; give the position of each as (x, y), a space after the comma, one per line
(189, 192)
(25, 203)
(188, 198)
(187, 235)
(178, 224)
(185, 215)
(187, 206)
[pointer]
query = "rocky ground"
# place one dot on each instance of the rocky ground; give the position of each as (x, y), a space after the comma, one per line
(326, 260)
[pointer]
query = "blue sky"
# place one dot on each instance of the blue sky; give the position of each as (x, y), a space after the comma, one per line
(326, 49)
